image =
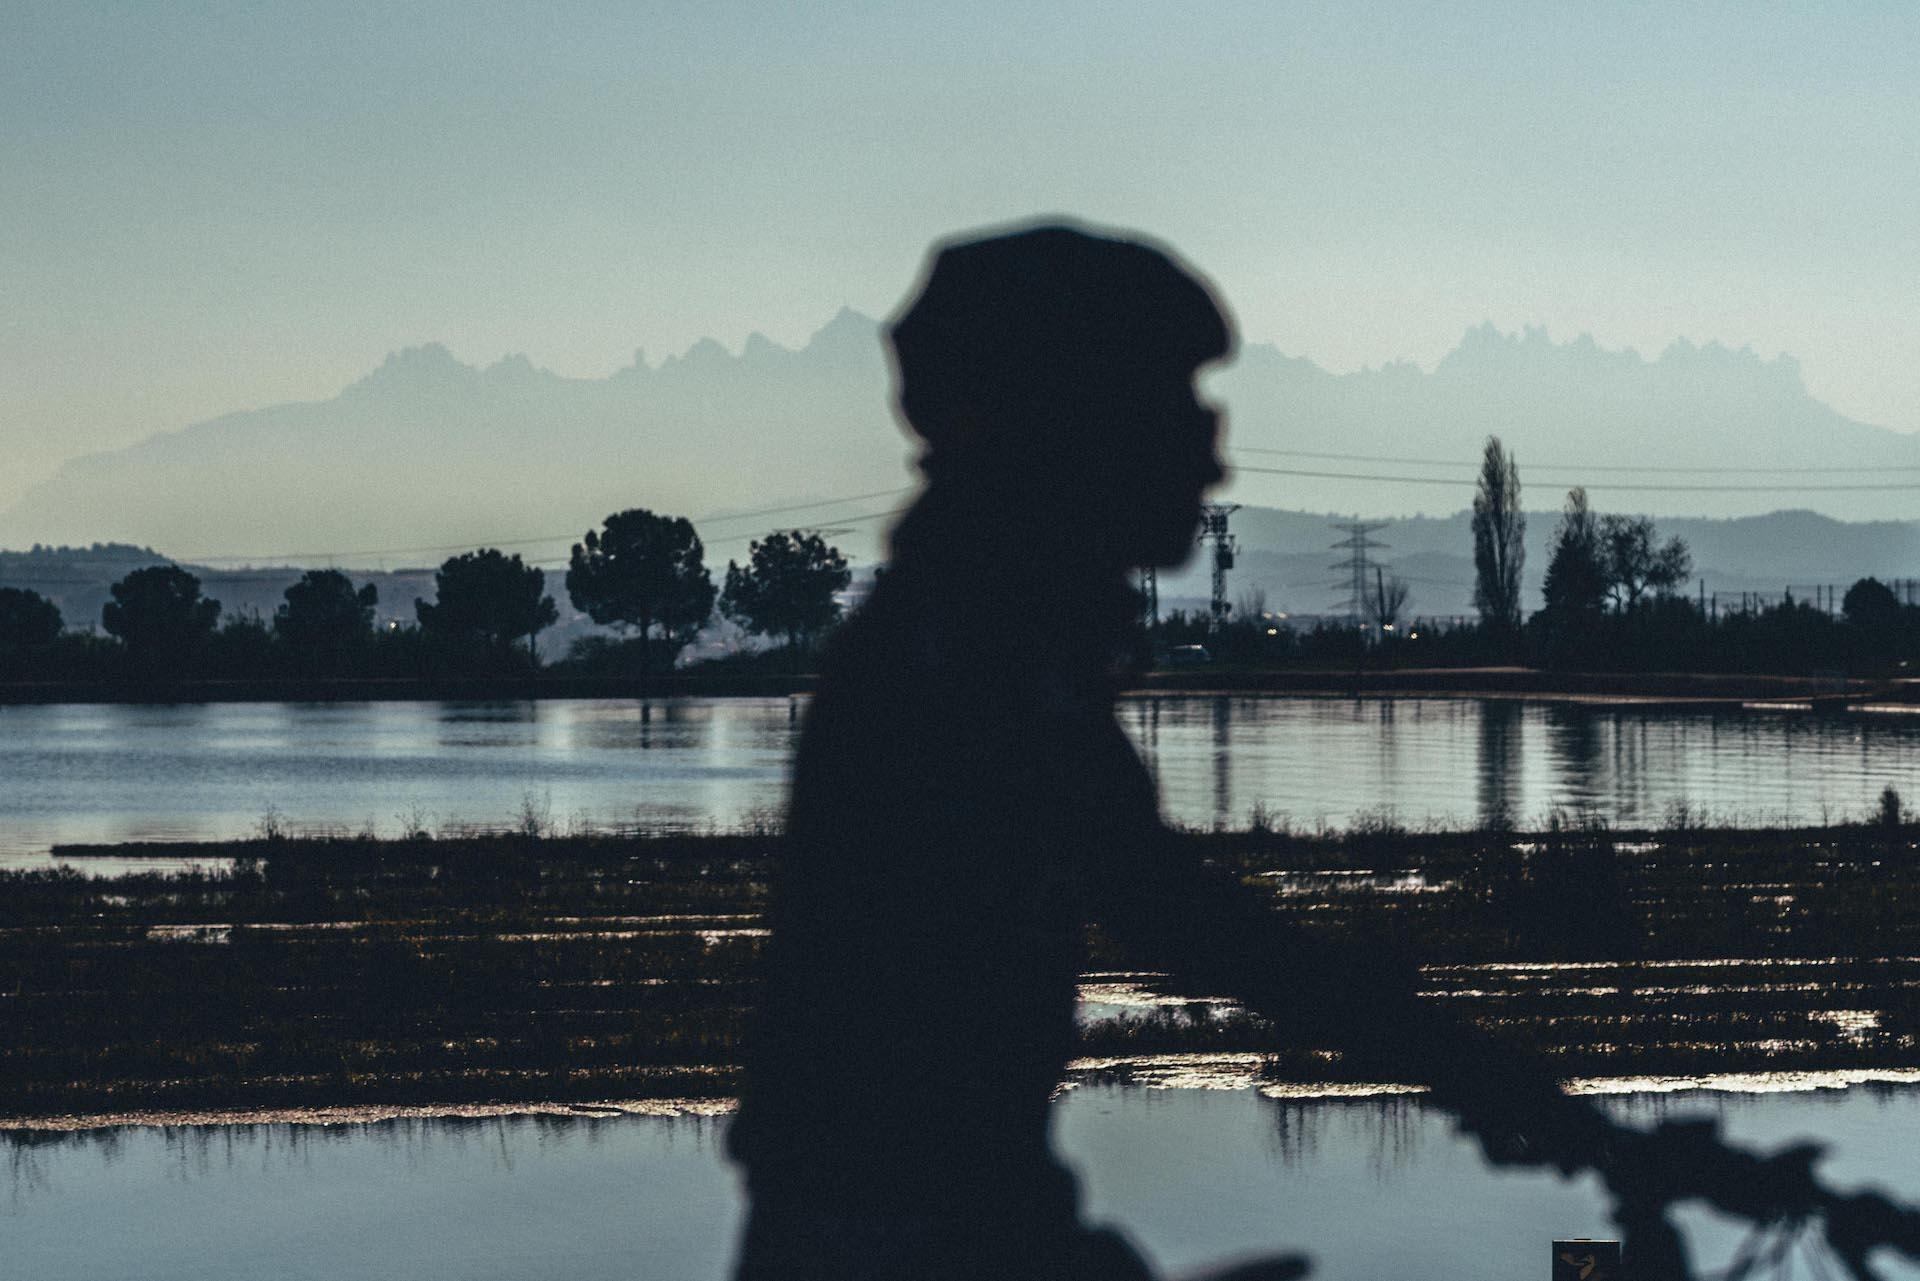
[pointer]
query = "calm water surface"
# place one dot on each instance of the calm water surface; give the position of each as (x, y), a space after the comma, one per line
(112, 773)
(1374, 1188)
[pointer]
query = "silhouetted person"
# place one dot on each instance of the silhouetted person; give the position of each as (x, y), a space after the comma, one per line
(964, 800)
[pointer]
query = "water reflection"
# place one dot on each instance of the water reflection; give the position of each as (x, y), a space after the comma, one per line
(1387, 1131)
(1573, 752)
(1222, 761)
(488, 724)
(106, 773)
(1373, 1187)
(1500, 775)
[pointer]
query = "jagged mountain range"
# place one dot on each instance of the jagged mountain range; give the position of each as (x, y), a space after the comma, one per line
(428, 452)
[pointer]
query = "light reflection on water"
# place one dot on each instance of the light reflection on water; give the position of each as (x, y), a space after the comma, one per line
(123, 772)
(1373, 1187)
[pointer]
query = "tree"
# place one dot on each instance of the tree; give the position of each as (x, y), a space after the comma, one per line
(1388, 598)
(324, 616)
(27, 619)
(787, 587)
(1875, 617)
(243, 647)
(487, 599)
(1871, 606)
(1499, 540)
(643, 572)
(1576, 581)
(1635, 565)
(159, 614)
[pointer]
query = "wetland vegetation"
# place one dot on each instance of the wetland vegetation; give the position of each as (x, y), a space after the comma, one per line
(529, 966)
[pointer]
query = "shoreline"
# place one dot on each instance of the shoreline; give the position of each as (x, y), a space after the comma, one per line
(1640, 689)
(1204, 1072)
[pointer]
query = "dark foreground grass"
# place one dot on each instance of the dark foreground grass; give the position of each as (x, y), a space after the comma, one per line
(515, 967)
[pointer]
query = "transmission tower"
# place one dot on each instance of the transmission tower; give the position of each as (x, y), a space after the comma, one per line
(1356, 569)
(1213, 529)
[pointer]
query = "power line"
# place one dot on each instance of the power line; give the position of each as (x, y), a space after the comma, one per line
(1567, 467)
(741, 538)
(1631, 486)
(801, 507)
(1303, 473)
(553, 538)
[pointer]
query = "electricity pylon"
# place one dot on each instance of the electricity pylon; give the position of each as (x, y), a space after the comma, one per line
(1357, 567)
(1213, 530)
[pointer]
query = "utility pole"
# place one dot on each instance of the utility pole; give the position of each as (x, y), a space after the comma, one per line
(1356, 567)
(1213, 530)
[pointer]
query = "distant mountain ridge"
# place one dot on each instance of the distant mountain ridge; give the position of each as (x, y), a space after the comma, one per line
(1576, 405)
(428, 451)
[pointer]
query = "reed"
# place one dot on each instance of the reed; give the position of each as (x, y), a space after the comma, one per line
(568, 965)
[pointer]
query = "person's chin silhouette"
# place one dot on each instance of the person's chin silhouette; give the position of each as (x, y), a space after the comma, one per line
(963, 800)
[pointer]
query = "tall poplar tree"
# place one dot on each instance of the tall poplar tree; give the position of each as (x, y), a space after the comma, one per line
(1499, 540)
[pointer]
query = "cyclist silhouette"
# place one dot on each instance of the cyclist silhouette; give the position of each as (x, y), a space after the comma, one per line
(963, 799)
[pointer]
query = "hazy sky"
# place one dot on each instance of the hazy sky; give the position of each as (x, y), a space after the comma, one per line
(217, 206)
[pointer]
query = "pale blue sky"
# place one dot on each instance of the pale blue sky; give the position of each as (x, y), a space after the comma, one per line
(212, 207)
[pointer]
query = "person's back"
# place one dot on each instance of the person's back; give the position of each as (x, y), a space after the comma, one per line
(961, 778)
(927, 925)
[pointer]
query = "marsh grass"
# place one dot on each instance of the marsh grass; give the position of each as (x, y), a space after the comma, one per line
(534, 963)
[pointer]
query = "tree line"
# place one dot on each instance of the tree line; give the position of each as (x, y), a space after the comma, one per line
(1613, 599)
(641, 574)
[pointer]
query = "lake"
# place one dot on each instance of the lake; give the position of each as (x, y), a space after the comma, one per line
(117, 772)
(1371, 1188)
